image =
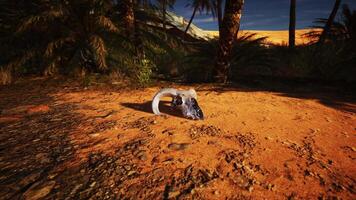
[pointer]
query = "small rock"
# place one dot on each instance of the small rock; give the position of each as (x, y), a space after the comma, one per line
(174, 194)
(93, 184)
(37, 192)
(142, 157)
(178, 146)
(131, 173)
(269, 186)
(30, 178)
(75, 189)
(52, 176)
(127, 167)
(43, 158)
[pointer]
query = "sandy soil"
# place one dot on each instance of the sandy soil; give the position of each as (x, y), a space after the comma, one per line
(279, 37)
(60, 140)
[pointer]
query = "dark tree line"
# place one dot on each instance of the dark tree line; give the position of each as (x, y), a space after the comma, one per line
(53, 36)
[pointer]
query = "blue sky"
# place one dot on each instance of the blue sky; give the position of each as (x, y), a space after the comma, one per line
(268, 14)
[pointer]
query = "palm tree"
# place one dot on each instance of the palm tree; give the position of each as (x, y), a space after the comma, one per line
(164, 4)
(292, 24)
(63, 33)
(200, 5)
(128, 16)
(219, 11)
(329, 22)
(337, 53)
(346, 29)
(229, 28)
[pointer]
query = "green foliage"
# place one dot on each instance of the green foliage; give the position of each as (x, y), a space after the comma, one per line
(50, 37)
(57, 35)
(144, 73)
(335, 59)
(248, 54)
(60, 36)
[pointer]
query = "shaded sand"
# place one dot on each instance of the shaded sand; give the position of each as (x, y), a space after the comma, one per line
(275, 37)
(106, 143)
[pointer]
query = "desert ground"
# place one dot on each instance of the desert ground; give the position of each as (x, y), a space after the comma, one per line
(61, 140)
(277, 37)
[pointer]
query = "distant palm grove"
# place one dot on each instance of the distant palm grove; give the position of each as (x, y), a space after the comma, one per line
(138, 40)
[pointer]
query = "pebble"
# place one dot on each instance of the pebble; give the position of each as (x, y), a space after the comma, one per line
(93, 184)
(178, 146)
(30, 178)
(43, 158)
(38, 193)
(174, 194)
(143, 157)
(131, 173)
(127, 167)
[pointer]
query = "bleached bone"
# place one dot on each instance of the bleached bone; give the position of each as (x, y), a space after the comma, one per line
(186, 100)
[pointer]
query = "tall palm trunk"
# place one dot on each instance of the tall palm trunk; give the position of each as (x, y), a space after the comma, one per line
(219, 12)
(191, 19)
(329, 22)
(128, 16)
(131, 27)
(229, 27)
(164, 9)
(292, 24)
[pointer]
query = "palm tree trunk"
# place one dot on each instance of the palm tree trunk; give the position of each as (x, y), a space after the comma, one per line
(229, 27)
(329, 22)
(164, 8)
(292, 24)
(219, 11)
(127, 8)
(131, 25)
(191, 19)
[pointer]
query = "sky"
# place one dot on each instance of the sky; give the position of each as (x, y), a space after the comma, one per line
(268, 14)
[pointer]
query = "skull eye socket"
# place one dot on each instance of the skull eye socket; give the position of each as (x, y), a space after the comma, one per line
(177, 101)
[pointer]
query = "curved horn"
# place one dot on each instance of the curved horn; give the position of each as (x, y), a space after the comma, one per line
(170, 92)
(193, 93)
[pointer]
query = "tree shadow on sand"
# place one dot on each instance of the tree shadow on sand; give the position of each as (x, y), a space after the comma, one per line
(336, 95)
(164, 108)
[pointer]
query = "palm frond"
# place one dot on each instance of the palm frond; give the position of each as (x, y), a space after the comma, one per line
(106, 23)
(40, 19)
(56, 44)
(98, 46)
(20, 60)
